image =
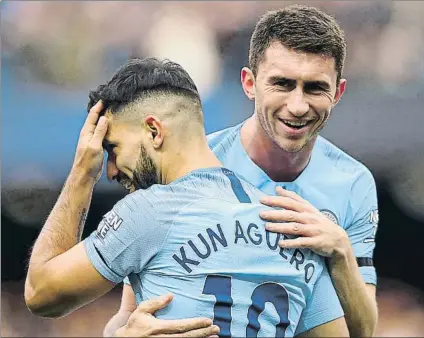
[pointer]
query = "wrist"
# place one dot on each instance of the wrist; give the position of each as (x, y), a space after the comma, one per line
(344, 249)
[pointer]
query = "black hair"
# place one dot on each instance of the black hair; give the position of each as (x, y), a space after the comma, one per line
(140, 77)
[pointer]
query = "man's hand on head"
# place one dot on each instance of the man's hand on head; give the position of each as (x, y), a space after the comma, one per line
(89, 154)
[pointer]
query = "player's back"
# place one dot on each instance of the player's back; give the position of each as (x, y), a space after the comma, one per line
(209, 247)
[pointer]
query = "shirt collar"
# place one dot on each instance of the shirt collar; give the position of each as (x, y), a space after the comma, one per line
(255, 175)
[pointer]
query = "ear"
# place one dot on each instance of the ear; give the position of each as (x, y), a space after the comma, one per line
(155, 128)
(248, 82)
(339, 91)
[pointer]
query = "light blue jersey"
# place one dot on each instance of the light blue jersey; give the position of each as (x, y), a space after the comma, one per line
(202, 239)
(342, 188)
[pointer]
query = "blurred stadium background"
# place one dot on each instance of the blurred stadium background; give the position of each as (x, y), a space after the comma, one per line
(54, 52)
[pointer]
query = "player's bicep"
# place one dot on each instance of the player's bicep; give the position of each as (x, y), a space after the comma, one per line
(335, 328)
(78, 276)
(362, 227)
(362, 233)
(72, 281)
(116, 246)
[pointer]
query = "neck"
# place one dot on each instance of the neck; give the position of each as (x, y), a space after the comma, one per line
(278, 164)
(186, 157)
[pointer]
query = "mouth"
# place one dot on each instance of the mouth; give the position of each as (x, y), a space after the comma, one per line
(296, 127)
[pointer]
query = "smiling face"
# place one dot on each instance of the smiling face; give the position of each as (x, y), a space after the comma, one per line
(128, 159)
(294, 93)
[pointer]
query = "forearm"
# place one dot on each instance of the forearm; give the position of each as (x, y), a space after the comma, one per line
(61, 232)
(63, 228)
(358, 304)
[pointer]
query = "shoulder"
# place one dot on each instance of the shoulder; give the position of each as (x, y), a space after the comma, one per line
(255, 193)
(137, 199)
(134, 207)
(349, 179)
(163, 200)
(223, 136)
(342, 163)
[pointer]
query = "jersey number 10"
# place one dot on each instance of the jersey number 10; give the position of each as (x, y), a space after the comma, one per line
(220, 287)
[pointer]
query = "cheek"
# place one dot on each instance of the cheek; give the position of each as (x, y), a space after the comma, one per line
(272, 102)
(322, 107)
(123, 161)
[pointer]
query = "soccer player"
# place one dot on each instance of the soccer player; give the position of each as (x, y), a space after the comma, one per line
(295, 69)
(189, 225)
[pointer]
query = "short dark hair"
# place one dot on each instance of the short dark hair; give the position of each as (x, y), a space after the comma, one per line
(301, 28)
(142, 77)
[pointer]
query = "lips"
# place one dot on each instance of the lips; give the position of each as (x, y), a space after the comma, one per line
(295, 127)
(295, 123)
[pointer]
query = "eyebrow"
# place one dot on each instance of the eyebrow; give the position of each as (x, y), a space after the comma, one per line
(323, 84)
(275, 79)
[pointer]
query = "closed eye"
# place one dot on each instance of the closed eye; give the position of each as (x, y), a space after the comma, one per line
(108, 146)
(282, 82)
(316, 87)
(289, 85)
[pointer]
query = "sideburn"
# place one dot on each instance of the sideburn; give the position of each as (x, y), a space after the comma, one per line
(145, 174)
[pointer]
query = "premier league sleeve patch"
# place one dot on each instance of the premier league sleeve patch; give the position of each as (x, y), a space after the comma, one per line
(330, 215)
(110, 221)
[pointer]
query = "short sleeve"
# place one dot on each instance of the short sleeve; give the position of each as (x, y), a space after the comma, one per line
(323, 305)
(362, 226)
(126, 239)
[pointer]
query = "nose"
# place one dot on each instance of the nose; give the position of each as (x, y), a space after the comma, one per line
(296, 103)
(112, 169)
